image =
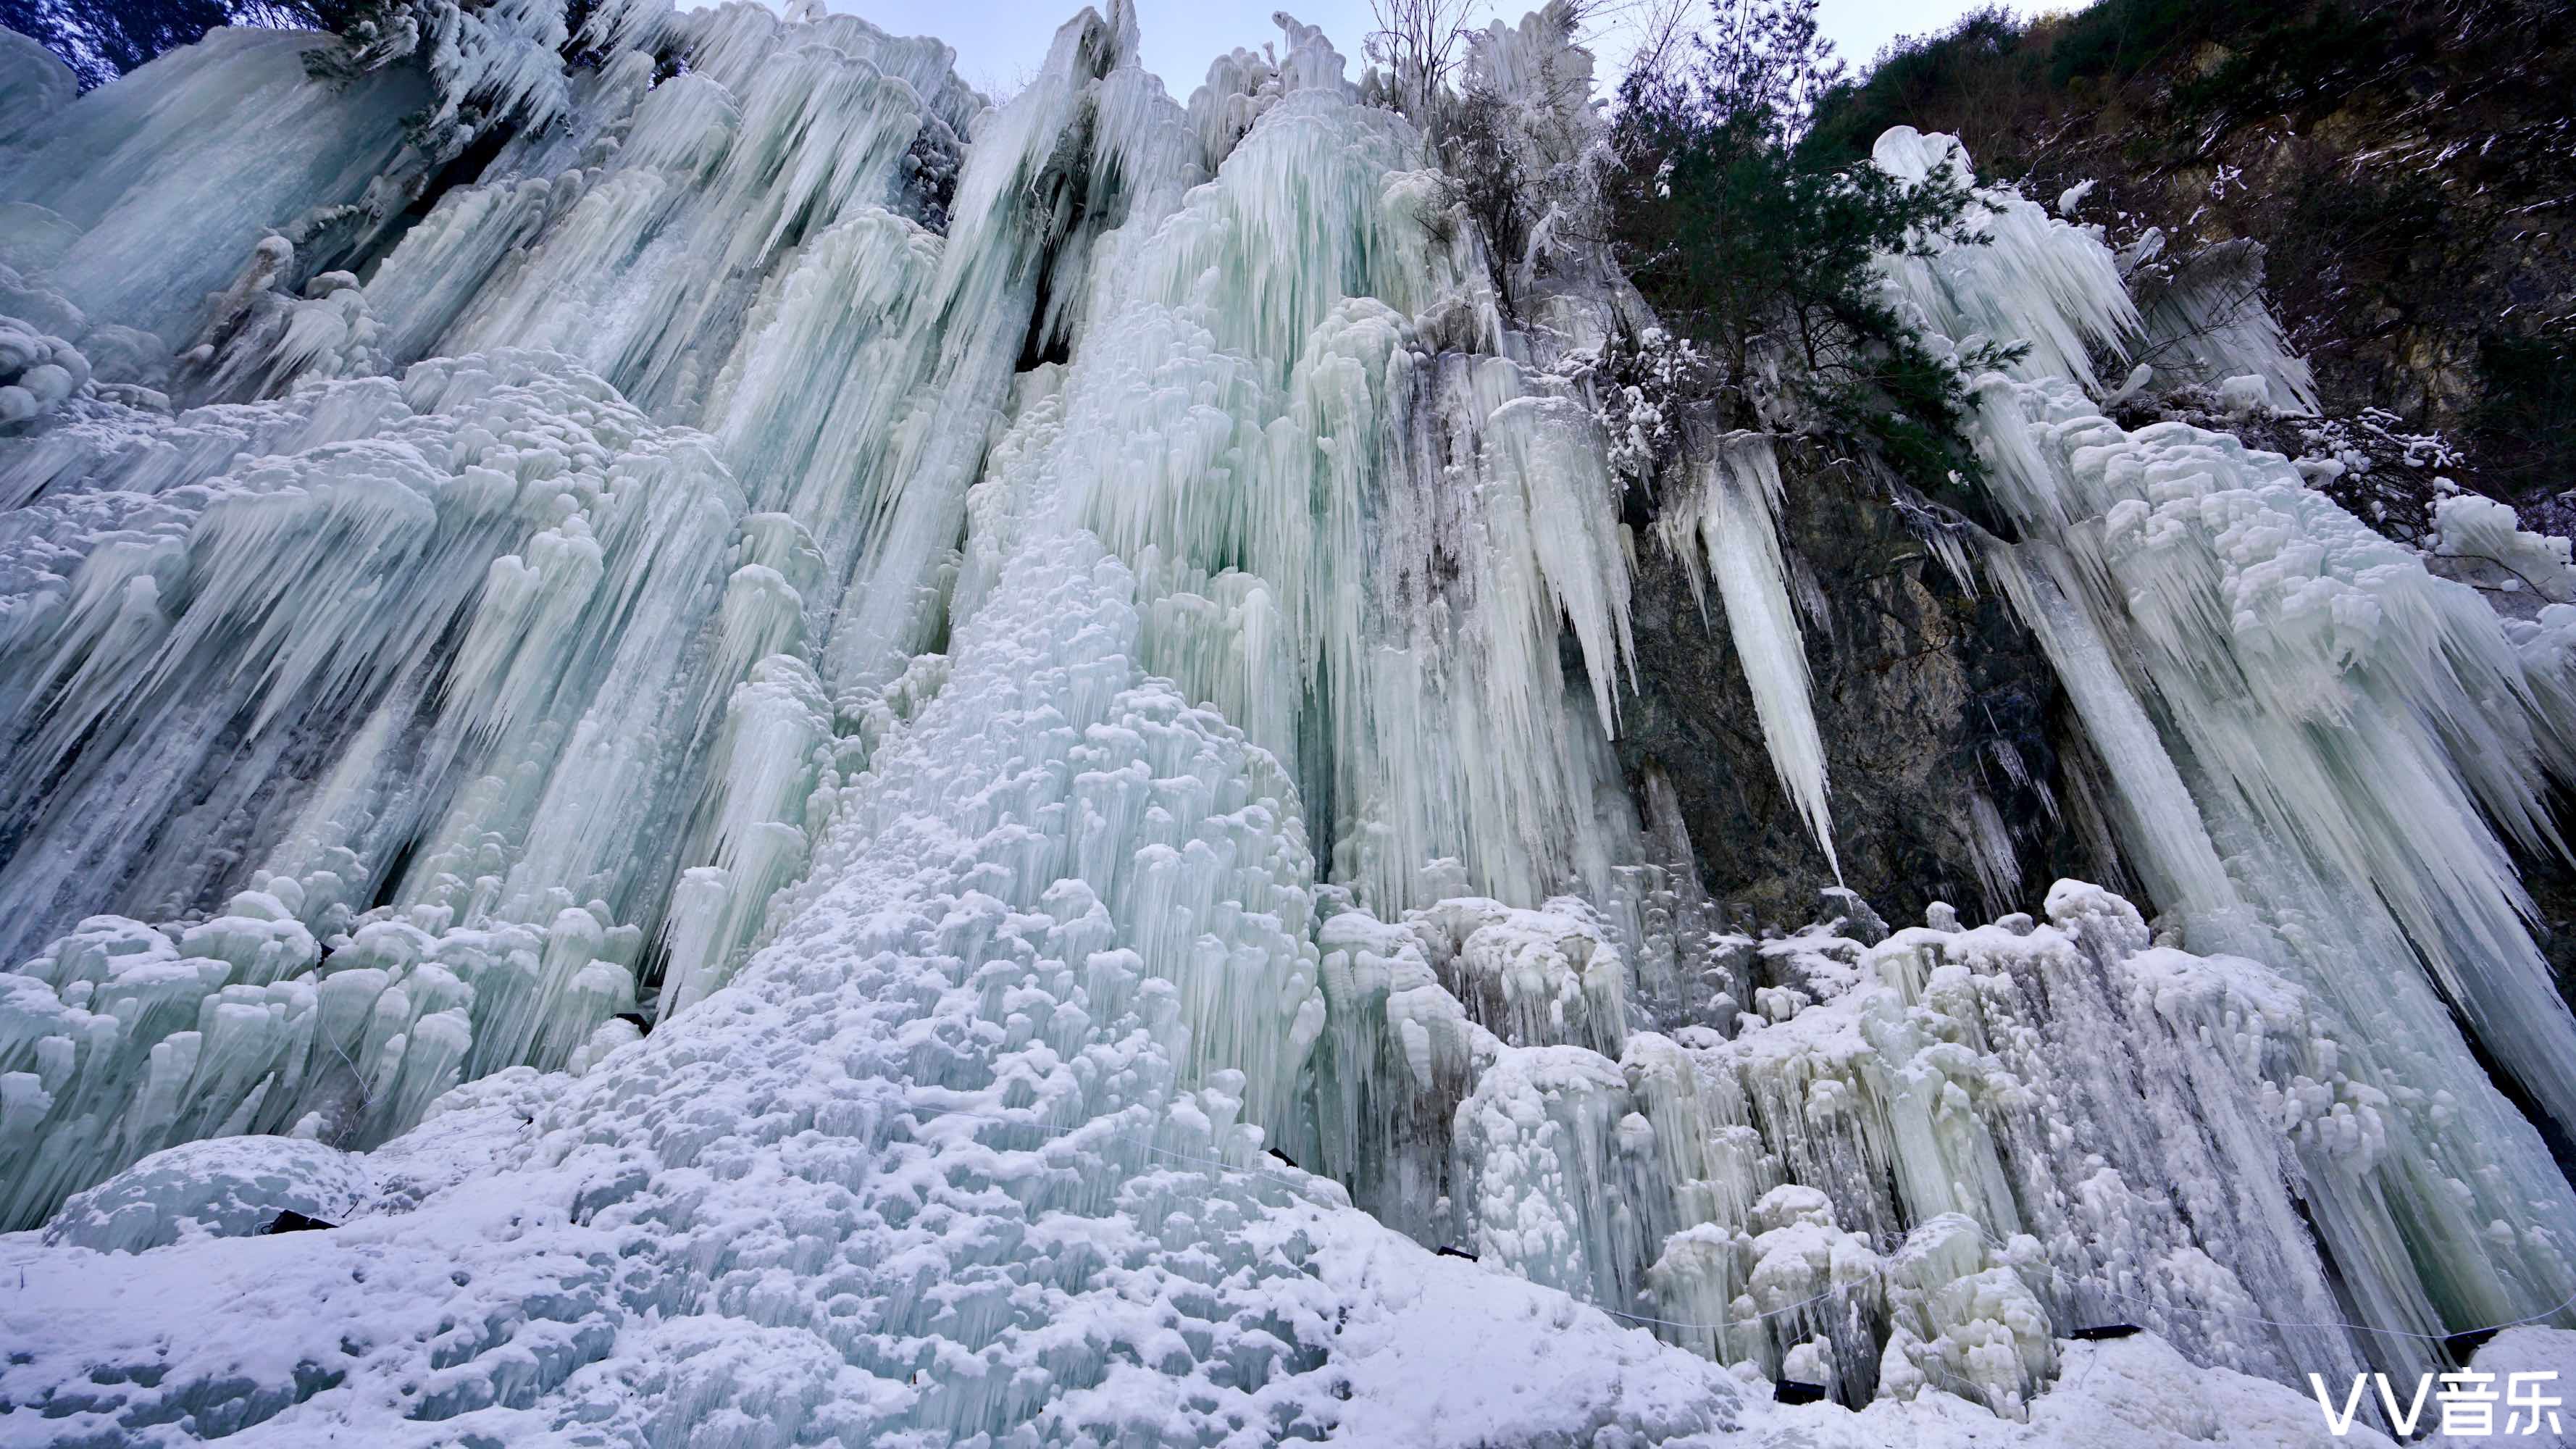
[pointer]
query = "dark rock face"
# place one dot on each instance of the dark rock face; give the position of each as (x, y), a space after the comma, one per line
(1928, 698)
(2551, 879)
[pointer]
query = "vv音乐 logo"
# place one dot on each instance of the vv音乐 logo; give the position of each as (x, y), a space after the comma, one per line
(2466, 1405)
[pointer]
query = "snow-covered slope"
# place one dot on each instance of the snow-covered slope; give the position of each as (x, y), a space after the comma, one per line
(817, 762)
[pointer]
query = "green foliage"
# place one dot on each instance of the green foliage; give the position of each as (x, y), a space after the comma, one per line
(1516, 162)
(1763, 255)
(1998, 81)
(1982, 53)
(2117, 39)
(1483, 169)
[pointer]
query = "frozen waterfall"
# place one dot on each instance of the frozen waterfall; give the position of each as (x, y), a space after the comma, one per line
(828, 762)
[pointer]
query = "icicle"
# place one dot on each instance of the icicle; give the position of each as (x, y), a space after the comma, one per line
(2205, 321)
(2308, 734)
(2063, 297)
(1733, 515)
(170, 180)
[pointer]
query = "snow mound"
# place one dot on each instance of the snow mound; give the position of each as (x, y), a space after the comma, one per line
(229, 1187)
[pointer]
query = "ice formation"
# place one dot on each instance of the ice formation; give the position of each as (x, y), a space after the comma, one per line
(812, 760)
(2204, 322)
(1733, 513)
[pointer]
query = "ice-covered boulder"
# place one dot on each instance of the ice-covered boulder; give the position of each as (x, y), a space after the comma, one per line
(38, 372)
(2483, 544)
(224, 1187)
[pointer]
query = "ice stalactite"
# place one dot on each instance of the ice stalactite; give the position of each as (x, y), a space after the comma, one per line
(735, 1161)
(1733, 515)
(41, 370)
(172, 671)
(2203, 321)
(2309, 734)
(1055, 943)
(643, 256)
(1398, 1055)
(2481, 542)
(1363, 524)
(572, 731)
(33, 86)
(2066, 301)
(1915, 1163)
(159, 189)
(2340, 1159)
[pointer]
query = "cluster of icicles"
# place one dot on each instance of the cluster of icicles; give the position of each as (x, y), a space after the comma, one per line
(1001, 635)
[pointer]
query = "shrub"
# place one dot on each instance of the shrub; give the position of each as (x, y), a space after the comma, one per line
(1762, 253)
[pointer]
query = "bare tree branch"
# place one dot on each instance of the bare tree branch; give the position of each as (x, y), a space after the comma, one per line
(1419, 42)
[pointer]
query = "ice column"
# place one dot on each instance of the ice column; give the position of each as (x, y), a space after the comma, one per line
(1733, 515)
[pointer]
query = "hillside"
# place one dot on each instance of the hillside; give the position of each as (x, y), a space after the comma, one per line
(2409, 167)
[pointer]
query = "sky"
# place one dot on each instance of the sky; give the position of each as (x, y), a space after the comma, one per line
(1000, 41)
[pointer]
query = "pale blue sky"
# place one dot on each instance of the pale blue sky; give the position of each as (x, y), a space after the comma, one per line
(1000, 39)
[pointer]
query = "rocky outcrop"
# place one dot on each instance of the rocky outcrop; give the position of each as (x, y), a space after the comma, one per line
(1946, 736)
